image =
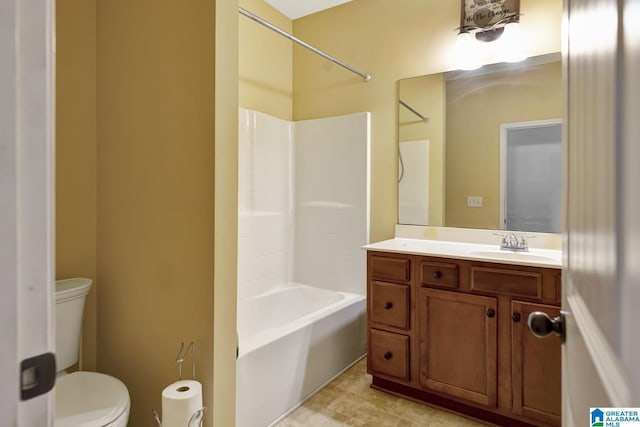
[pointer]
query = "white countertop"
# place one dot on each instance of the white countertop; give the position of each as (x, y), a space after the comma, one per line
(548, 258)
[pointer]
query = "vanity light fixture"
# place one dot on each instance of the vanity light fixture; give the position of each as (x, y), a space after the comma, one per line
(494, 31)
(487, 18)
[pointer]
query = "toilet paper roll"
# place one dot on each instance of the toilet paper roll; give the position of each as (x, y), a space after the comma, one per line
(180, 401)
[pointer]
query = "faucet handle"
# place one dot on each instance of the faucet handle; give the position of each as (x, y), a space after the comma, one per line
(527, 237)
(525, 240)
(503, 243)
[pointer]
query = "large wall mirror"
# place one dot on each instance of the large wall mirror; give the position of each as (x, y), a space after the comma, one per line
(482, 148)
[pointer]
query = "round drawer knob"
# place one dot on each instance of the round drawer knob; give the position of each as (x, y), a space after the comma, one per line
(388, 355)
(491, 313)
(437, 274)
(515, 317)
(388, 305)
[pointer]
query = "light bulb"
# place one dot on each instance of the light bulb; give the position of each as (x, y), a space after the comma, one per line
(512, 43)
(466, 52)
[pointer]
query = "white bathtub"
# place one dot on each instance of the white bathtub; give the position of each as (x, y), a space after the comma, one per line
(292, 341)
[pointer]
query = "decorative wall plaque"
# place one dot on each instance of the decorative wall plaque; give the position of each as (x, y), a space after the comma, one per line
(482, 15)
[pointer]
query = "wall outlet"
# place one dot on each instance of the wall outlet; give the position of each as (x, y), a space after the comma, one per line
(474, 201)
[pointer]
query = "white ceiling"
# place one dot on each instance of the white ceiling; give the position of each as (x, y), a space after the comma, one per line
(294, 9)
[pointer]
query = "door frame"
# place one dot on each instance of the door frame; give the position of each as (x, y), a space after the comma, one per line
(504, 128)
(27, 161)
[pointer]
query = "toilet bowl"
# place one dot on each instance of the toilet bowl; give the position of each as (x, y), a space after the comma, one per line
(82, 399)
(90, 399)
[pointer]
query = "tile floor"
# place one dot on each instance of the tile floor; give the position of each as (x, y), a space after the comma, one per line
(349, 401)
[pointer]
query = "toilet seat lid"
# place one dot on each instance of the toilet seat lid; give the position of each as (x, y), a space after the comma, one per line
(89, 399)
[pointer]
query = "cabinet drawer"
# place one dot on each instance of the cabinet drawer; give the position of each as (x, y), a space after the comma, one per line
(506, 282)
(389, 354)
(439, 274)
(390, 268)
(389, 304)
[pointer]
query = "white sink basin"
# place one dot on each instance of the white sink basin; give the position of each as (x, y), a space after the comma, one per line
(516, 256)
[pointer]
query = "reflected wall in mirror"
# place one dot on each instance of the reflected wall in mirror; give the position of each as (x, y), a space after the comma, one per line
(489, 155)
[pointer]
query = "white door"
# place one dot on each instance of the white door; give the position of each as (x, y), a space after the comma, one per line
(26, 208)
(601, 278)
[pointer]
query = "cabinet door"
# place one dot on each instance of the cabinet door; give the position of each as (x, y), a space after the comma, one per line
(458, 347)
(535, 367)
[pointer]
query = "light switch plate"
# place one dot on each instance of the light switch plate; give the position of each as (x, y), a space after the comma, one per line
(474, 201)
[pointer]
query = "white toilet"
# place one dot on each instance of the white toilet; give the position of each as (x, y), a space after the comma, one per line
(82, 399)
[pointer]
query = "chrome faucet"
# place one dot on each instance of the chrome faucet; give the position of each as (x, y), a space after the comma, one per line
(510, 242)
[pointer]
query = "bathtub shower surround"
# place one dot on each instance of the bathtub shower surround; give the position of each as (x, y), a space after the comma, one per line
(303, 216)
(413, 182)
(331, 199)
(265, 208)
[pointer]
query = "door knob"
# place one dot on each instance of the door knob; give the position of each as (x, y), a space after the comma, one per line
(542, 325)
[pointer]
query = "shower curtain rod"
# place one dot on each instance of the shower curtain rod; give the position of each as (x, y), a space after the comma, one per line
(408, 107)
(365, 76)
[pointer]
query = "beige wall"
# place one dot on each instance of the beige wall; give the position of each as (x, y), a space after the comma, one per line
(266, 62)
(391, 40)
(473, 150)
(155, 193)
(410, 128)
(76, 146)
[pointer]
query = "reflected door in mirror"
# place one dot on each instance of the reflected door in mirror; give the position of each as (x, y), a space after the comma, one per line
(531, 176)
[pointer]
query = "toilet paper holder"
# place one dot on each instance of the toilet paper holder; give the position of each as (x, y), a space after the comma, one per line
(181, 356)
(196, 418)
(194, 421)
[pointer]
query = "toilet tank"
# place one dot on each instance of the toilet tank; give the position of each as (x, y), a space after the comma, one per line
(70, 296)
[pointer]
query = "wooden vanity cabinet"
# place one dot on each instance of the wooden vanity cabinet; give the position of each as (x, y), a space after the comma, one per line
(454, 333)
